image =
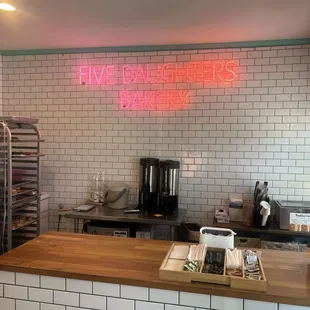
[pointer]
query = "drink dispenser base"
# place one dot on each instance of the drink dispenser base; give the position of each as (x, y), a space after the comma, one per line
(159, 186)
(148, 189)
(169, 186)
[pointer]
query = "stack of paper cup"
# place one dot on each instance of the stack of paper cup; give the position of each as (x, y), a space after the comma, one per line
(265, 212)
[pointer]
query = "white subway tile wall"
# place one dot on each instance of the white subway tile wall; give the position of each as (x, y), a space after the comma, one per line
(66, 298)
(174, 307)
(27, 279)
(258, 305)
(26, 297)
(106, 289)
(142, 305)
(39, 294)
(7, 277)
(79, 286)
(134, 292)
(117, 303)
(52, 307)
(7, 304)
(226, 138)
(93, 302)
(27, 305)
(54, 283)
(13, 291)
(169, 297)
(291, 307)
(223, 303)
(197, 300)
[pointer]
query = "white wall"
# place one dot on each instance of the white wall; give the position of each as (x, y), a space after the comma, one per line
(19, 291)
(226, 138)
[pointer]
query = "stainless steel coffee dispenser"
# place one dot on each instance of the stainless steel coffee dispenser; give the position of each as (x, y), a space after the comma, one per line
(169, 186)
(159, 186)
(148, 189)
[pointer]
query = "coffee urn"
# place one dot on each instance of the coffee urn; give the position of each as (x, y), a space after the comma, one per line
(148, 189)
(169, 186)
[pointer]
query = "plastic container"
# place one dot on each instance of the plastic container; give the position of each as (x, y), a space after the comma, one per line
(245, 242)
(118, 196)
(217, 237)
(190, 232)
(280, 246)
(284, 208)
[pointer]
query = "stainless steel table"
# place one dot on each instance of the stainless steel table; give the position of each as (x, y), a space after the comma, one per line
(110, 215)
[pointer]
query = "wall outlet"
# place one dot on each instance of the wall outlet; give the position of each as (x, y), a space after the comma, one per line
(62, 209)
(61, 206)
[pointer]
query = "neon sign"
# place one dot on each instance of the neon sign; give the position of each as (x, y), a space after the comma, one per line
(154, 100)
(167, 73)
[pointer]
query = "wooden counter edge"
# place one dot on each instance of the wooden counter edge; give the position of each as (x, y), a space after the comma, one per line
(208, 289)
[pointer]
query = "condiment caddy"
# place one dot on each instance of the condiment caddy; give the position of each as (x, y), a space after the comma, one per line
(210, 265)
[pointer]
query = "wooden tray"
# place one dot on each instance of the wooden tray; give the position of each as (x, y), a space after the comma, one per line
(186, 276)
(209, 277)
(173, 275)
(233, 281)
(248, 284)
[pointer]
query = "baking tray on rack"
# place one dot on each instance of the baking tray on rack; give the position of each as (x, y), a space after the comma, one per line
(24, 200)
(19, 119)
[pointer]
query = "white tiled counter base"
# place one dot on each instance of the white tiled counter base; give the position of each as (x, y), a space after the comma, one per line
(20, 291)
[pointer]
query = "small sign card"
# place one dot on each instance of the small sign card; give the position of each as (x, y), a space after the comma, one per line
(300, 222)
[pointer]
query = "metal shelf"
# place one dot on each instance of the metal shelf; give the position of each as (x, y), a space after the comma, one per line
(23, 168)
(18, 133)
(25, 200)
(24, 208)
(22, 183)
(20, 170)
(24, 147)
(26, 156)
(27, 140)
(25, 224)
(25, 191)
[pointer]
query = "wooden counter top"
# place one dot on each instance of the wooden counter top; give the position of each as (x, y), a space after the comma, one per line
(136, 262)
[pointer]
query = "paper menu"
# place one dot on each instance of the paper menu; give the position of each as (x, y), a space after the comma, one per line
(300, 222)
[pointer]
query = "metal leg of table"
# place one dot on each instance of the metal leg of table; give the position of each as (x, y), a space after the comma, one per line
(153, 227)
(173, 233)
(76, 225)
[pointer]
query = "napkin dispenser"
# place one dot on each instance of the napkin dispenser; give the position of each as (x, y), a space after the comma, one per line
(215, 237)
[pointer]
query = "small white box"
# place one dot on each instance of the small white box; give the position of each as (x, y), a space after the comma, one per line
(235, 215)
(221, 213)
(223, 220)
(215, 237)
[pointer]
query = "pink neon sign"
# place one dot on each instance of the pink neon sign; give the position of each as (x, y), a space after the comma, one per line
(167, 73)
(154, 100)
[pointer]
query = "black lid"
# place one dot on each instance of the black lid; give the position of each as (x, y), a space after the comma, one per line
(170, 164)
(149, 160)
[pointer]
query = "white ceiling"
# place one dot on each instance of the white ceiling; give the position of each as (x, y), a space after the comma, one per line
(49, 24)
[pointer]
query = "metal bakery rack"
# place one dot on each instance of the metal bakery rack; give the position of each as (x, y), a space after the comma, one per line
(19, 181)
